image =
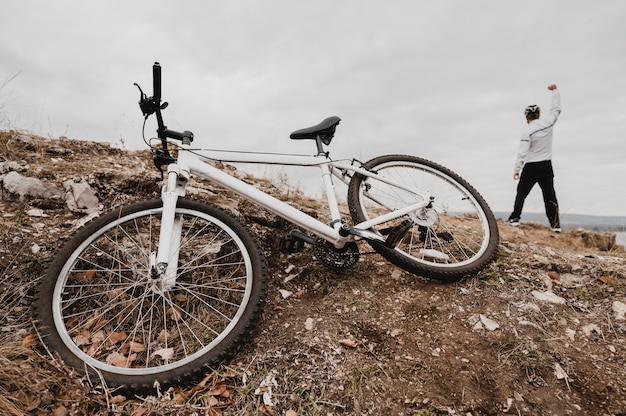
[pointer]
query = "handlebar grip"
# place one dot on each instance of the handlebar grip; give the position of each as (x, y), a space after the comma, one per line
(156, 77)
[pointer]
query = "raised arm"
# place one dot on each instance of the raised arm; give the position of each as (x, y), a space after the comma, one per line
(555, 105)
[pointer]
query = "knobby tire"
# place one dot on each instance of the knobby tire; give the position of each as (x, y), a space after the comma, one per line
(456, 237)
(102, 312)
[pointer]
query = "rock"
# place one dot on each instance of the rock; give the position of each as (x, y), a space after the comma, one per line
(603, 241)
(80, 197)
(570, 280)
(16, 186)
(489, 324)
(12, 166)
(60, 151)
(619, 308)
(559, 372)
(26, 141)
(480, 321)
(36, 212)
(507, 407)
(528, 307)
(548, 297)
(589, 329)
(285, 293)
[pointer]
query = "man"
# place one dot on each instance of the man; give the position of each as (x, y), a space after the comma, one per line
(534, 160)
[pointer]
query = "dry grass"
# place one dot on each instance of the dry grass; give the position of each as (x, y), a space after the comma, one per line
(26, 379)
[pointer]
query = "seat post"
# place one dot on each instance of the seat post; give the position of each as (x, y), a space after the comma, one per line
(320, 148)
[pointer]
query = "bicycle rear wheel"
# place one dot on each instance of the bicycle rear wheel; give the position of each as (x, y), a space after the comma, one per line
(102, 311)
(456, 236)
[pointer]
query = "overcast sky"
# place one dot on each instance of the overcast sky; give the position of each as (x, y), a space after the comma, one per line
(445, 80)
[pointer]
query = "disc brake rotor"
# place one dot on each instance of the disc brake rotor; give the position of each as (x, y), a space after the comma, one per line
(426, 218)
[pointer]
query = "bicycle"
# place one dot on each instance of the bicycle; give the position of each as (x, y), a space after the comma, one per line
(160, 289)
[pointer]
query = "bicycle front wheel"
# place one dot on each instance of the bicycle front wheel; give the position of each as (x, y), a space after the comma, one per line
(453, 237)
(103, 311)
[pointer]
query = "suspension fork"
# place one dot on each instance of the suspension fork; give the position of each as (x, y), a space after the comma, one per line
(164, 262)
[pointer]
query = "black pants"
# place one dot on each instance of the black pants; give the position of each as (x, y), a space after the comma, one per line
(541, 173)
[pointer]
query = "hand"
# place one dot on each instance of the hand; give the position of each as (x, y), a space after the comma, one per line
(552, 87)
(516, 175)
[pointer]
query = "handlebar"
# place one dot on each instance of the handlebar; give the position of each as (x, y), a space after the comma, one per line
(156, 78)
(153, 105)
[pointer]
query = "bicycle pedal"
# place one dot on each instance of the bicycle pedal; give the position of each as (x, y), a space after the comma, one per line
(294, 242)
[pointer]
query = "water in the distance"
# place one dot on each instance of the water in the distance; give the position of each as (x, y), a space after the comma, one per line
(620, 238)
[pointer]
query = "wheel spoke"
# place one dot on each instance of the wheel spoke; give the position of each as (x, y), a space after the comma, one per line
(454, 234)
(114, 316)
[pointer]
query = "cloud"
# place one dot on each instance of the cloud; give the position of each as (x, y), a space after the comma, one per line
(446, 80)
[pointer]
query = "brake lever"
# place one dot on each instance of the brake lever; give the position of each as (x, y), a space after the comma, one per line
(147, 104)
(142, 96)
(144, 102)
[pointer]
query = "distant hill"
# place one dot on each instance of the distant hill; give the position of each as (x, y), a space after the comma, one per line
(573, 221)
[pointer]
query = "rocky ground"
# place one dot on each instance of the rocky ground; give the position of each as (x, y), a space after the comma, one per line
(539, 332)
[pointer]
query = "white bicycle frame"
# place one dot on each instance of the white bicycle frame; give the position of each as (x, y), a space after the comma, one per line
(190, 163)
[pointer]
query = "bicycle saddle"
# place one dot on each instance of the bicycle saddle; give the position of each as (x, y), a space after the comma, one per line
(324, 130)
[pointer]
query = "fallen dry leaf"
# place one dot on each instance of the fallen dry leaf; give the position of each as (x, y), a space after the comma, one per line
(81, 339)
(553, 275)
(174, 313)
(118, 399)
(29, 340)
(134, 346)
(267, 410)
(165, 353)
(101, 323)
(98, 337)
(607, 280)
(93, 349)
(91, 321)
(348, 342)
(218, 390)
(163, 336)
(60, 411)
(120, 360)
(85, 276)
(116, 337)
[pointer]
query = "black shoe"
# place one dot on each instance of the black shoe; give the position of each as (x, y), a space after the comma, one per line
(513, 221)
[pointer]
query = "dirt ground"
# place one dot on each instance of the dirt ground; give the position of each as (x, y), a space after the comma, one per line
(539, 332)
